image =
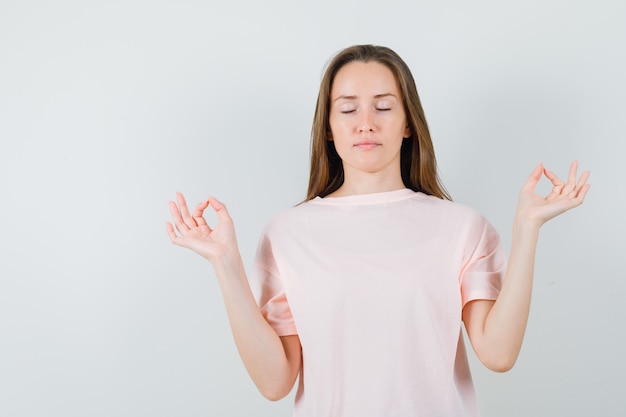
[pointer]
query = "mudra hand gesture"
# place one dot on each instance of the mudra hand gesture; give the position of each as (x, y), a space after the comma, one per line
(194, 232)
(564, 195)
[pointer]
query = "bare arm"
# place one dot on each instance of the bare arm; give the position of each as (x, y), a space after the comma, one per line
(273, 362)
(496, 328)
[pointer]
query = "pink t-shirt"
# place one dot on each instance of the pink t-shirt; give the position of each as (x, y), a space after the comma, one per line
(374, 286)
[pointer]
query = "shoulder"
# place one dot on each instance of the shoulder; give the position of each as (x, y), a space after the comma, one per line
(287, 218)
(451, 210)
(464, 220)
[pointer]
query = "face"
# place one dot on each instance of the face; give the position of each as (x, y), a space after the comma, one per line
(367, 119)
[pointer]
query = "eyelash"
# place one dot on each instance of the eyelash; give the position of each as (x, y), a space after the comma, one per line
(352, 111)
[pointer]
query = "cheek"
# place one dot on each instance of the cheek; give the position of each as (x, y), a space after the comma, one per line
(403, 128)
(339, 128)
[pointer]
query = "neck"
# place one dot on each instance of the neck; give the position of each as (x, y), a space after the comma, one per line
(365, 183)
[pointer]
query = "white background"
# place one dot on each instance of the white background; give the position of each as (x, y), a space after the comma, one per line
(108, 108)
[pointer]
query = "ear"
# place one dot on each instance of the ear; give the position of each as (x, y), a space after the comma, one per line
(407, 131)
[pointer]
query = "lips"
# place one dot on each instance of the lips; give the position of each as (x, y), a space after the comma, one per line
(367, 144)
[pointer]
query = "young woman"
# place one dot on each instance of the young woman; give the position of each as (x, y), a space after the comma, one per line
(365, 285)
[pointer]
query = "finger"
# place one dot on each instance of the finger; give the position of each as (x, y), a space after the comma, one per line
(199, 210)
(554, 179)
(533, 179)
(571, 178)
(583, 178)
(184, 210)
(178, 220)
(575, 201)
(171, 233)
(198, 215)
(557, 183)
(220, 210)
(583, 193)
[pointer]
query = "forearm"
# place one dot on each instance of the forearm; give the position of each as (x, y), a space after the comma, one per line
(260, 348)
(505, 323)
(496, 329)
(272, 362)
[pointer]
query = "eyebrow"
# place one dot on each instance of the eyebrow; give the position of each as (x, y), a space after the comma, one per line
(354, 97)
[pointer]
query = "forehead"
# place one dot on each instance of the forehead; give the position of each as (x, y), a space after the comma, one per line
(364, 79)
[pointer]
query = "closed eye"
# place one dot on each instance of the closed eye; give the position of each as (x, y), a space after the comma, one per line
(383, 105)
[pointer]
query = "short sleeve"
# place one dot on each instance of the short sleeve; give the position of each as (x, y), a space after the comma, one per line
(270, 289)
(481, 278)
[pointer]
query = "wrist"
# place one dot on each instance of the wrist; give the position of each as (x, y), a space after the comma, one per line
(227, 263)
(526, 226)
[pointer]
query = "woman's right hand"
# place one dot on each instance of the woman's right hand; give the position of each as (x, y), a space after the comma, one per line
(194, 232)
(272, 362)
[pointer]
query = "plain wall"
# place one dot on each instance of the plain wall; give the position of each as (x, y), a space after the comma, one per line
(108, 108)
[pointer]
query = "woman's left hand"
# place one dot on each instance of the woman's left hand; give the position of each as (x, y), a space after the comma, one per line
(564, 195)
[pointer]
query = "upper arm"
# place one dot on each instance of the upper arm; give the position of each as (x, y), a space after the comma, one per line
(293, 352)
(475, 315)
(281, 382)
(495, 351)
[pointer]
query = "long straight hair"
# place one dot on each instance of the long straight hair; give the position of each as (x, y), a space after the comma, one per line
(418, 165)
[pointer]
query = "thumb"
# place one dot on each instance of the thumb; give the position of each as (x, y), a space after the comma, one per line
(534, 178)
(220, 210)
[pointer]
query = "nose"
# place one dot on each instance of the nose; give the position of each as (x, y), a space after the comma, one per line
(366, 122)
